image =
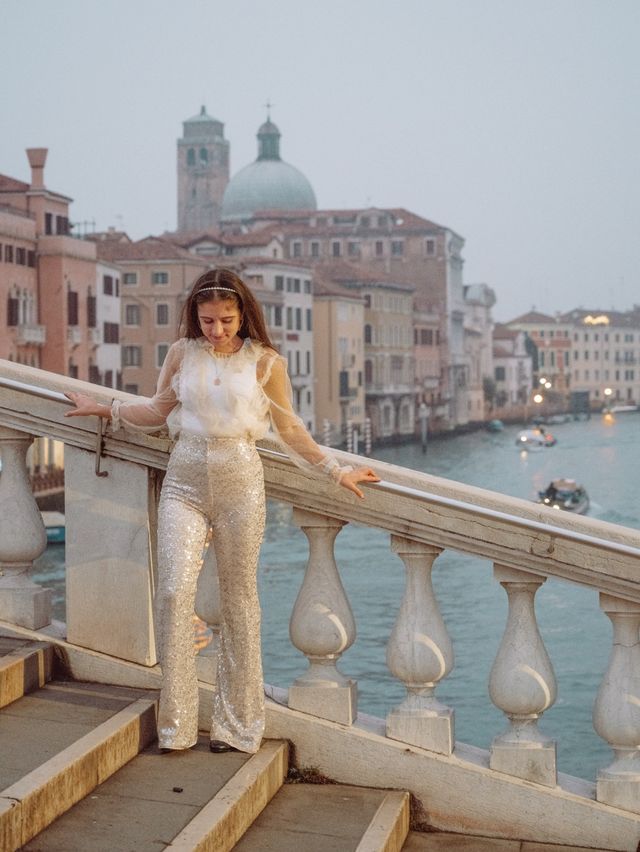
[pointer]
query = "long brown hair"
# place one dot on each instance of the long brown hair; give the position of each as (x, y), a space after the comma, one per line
(252, 325)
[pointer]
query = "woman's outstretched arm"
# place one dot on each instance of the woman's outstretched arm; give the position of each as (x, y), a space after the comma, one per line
(301, 446)
(146, 415)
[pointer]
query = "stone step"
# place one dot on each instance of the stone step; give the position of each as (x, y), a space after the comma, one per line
(58, 744)
(24, 666)
(445, 841)
(178, 801)
(330, 818)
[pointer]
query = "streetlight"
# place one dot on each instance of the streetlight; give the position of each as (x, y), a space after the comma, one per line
(538, 398)
(607, 400)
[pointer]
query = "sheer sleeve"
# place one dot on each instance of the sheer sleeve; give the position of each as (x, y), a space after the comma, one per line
(289, 428)
(150, 415)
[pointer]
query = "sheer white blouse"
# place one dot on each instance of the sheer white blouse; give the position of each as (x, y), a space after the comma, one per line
(240, 395)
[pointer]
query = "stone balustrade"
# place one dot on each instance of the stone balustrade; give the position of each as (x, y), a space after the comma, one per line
(111, 523)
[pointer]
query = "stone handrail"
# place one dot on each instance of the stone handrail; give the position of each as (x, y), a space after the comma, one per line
(111, 561)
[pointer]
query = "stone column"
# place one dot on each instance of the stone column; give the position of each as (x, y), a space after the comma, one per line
(420, 654)
(322, 627)
(523, 685)
(22, 537)
(616, 713)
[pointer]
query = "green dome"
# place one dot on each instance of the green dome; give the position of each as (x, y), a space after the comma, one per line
(267, 184)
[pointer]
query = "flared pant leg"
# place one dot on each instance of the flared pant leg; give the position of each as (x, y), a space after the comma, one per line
(217, 483)
(182, 532)
(238, 704)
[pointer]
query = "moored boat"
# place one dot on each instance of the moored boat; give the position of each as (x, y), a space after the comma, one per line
(54, 524)
(621, 409)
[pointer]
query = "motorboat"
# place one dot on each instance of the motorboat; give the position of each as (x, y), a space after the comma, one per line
(565, 494)
(534, 439)
(54, 524)
(495, 426)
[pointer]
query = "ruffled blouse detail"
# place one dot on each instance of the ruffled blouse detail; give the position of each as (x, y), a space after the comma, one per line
(216, 395)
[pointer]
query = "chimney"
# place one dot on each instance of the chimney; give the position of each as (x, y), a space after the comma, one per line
(37, 159)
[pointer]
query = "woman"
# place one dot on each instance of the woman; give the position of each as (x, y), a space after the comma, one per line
(221, 386)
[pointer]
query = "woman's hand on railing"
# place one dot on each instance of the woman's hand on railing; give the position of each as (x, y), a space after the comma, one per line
(86, 406)
(350, 479)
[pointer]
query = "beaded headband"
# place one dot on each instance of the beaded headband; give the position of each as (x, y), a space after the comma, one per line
(228, 289)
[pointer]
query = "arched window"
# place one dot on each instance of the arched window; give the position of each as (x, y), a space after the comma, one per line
(191, 157)
(367, 333)
(204, 155)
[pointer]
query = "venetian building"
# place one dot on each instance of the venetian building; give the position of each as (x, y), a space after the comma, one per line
(203, 172)
(478, 345)
(48, 277)
(266, 184)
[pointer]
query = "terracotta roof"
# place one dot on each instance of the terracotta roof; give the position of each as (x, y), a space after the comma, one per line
(150, 248)
(109, 236)
(262, 260)
(259, 237)
(354, 273)
(503, 332)
(9, 184)
(187, 238)
(534, 318)
(620, 319)
(298, 223)
(322, 287)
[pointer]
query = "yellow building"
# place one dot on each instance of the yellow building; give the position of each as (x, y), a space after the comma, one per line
(339, 351)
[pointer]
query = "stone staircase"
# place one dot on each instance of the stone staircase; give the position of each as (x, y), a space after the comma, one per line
(80, 770)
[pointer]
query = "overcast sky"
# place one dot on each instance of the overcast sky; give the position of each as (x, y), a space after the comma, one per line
(516, 123)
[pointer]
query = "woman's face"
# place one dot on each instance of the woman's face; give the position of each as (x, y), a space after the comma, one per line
(220, 323)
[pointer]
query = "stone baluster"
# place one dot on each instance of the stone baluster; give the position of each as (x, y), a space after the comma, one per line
(322, 627)
(616, 712)
(22, 537)
(420, 654)
(208, 609)
(523, 685)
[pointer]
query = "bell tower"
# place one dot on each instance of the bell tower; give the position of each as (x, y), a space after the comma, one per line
(203, 172)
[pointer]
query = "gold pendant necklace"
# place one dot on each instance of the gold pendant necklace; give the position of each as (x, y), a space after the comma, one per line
(225, 358)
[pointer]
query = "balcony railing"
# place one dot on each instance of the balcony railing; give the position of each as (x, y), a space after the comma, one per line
(388, 389)
(28, 333)
(109, 581)
(74, 335)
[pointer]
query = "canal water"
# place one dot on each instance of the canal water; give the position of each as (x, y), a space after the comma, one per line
(604, 455)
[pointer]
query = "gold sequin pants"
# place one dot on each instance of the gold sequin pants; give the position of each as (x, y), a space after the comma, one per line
(215, 483)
